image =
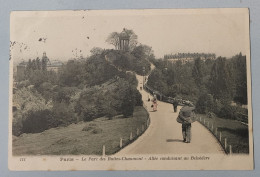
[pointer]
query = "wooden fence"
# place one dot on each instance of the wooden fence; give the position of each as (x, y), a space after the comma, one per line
(223, 141)
(133, 135)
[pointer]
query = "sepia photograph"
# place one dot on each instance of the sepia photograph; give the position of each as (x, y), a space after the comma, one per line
(151, 89)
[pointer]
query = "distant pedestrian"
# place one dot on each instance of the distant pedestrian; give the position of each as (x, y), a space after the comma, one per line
(175, 105)
(148, 98)
(186, 117)
(154, 104)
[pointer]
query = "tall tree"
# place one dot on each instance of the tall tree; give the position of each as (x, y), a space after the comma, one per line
(38, 63)
(44, 63)
(198, 72)
(113, 39)
(220, 80)
(240, 74)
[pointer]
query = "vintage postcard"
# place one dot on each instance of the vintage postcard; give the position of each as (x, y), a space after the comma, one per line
(158, 89)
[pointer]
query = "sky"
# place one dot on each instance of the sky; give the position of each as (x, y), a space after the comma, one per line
(65, 34)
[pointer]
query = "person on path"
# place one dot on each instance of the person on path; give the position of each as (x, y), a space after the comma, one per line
(154, 105)
(186, 117)
(175, 105)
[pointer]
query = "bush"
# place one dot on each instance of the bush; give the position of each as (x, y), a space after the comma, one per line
(89, 127)
(228, 112)
(38, 121)
(128, 104)
(110, 113)
(138, 98)
(17, 125)
(205, 104)
(89, 114)
(63, 114)
(97, 130)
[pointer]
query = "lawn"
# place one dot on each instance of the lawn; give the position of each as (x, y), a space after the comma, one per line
(235, 132)
(85, 138)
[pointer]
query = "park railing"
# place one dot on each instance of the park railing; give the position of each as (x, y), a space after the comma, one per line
(133, 135)
(222, 140)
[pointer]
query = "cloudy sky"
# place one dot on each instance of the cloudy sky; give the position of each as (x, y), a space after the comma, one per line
(62, 34)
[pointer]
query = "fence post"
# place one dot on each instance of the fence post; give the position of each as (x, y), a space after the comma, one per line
(216, 131)
(225, 145)
(131, 136)
(212, 128)
(104, 150)
(230, 150)
(121, 142)
(208, 124)
(220, 136)
(204, 121)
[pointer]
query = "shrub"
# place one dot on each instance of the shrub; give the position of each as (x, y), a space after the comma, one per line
(97, 130)
(17, 125)
(128, 104)
(228, 112)
(88, 127)
(205, 104)
(110, 113)
(38, 121)
(138, 98)
(89, 113)
(63, 114)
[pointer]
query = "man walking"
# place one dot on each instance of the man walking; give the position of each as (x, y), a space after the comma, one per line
(175, 105)
(186, 117)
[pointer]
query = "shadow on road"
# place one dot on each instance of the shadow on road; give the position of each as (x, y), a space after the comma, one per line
(174, 140)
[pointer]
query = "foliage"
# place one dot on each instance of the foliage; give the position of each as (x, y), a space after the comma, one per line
(198, 72)
(129, 62)
(205, 104)
(38, 121)
(211, 84)
(220, 83)
(114, 37)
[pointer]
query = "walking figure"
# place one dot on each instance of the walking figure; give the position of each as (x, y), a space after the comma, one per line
(154, 105)
(186, 117)
(175, 105)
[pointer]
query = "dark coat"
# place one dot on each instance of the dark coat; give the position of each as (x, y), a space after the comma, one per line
(186, 115)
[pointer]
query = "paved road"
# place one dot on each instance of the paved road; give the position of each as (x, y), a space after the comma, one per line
(164, 134)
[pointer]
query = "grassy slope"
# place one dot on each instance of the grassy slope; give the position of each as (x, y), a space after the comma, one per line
(72, 140)
(235, 132)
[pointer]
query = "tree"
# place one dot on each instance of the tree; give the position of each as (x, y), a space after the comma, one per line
(34, 65)
(240, 78)
(96, 51)
(38, 63)
(113, 39)
(128, 103)
(205, 103)
(142, 51)
(132, 39)
(220, 84)
(198, 72)
(44, 63)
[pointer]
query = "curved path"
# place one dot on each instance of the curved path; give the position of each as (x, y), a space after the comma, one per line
(164, 134)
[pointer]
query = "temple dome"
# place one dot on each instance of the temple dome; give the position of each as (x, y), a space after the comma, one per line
(124, 35)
